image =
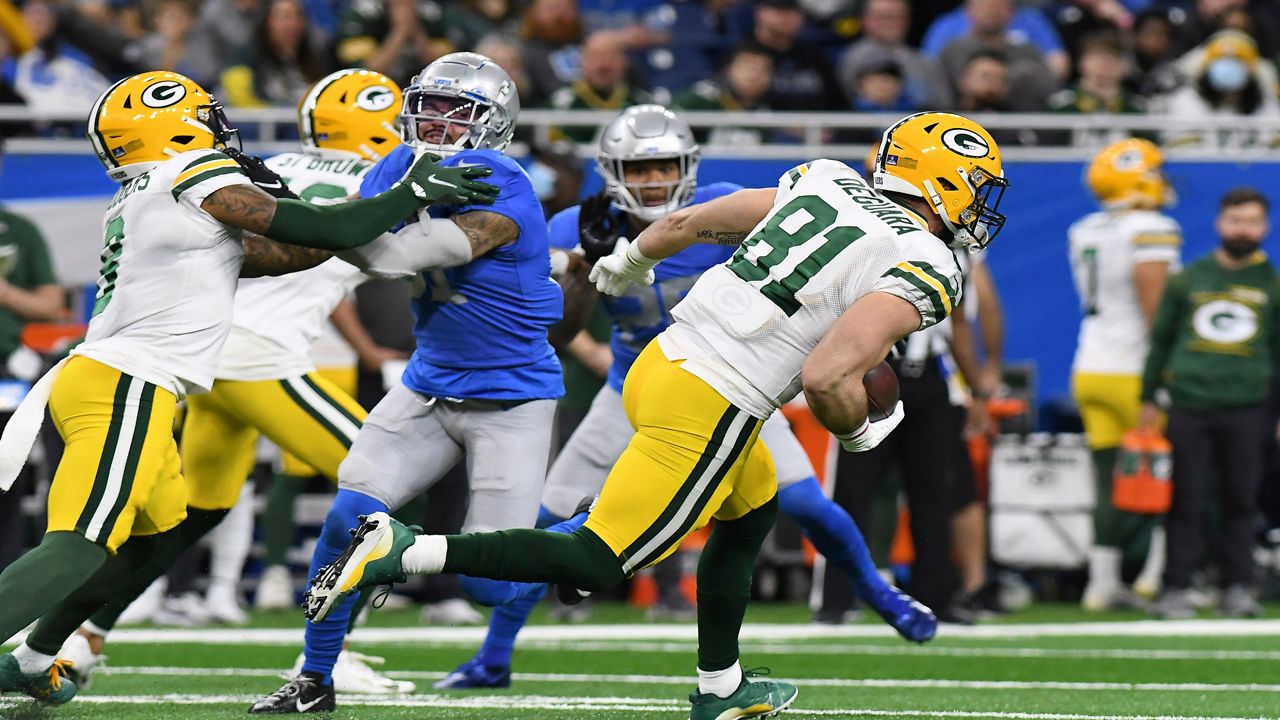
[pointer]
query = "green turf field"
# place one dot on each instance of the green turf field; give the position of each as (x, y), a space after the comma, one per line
(1050, 663)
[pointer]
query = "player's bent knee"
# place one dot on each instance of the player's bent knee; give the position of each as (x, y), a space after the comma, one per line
(596, 567)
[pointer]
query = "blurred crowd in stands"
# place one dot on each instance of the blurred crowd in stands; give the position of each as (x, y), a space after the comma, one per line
(1189, 58)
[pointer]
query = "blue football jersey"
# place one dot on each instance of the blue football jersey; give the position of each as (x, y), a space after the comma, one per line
(481, 328)
(641, 313)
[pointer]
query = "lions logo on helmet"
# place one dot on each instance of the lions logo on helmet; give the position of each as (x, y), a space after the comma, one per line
(1129, 173)
(461, 101)
(351, 111)
(146, 119)
(953, 164)
(648, 132)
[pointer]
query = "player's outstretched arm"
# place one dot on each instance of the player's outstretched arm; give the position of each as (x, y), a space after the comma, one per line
(433, 243)
(347, 225)
(264, 256)
(726, 220)
(857, 341)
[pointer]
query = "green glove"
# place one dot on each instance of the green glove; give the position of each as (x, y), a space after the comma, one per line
(435, 184)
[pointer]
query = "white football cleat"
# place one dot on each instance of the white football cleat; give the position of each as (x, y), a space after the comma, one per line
(275, 590)
(454, 611)
(352, 674)
(187, 610)
(222, 603)
(75, 650)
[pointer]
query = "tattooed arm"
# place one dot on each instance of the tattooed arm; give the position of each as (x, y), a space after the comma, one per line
(486, 230)
(724, 221)
(244, 206)
(264, 256)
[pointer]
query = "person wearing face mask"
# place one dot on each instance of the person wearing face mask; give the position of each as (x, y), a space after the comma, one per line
(1226, 77)
(1214, 342)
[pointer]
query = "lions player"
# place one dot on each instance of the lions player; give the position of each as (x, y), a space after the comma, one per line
(483, 378)
(830, 273)
(266, 382)
(649, 161)
(1121, 258)
(175, 245)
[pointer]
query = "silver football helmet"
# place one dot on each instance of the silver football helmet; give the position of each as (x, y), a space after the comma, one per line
(648, 132)
(460, 89)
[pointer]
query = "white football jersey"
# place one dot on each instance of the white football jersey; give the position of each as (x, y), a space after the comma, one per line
(277, 319)
(1105, 247)
(169, 273)
(747, 326)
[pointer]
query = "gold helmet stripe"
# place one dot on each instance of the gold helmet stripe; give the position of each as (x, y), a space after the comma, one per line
(95, 135)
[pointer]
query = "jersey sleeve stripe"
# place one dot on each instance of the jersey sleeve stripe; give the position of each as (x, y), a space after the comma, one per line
(1161, 239)
(201, 177)
(925, 288)
(191, 172)
(938, 286)
(208, 158)
(949, 288)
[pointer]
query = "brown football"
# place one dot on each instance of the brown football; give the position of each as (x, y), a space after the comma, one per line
(882, 391)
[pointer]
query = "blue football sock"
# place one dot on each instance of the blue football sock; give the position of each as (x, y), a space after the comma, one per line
(834, 534)
(323, 640)
(510, 617)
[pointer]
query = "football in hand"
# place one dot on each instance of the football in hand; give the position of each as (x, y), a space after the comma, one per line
(882, 391)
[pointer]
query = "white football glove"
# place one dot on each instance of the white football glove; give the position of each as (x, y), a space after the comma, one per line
(613, 274)
(872, 434)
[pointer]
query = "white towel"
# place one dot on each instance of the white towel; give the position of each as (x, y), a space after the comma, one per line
(23, 428)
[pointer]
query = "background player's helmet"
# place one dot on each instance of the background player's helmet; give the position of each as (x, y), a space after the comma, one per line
(952, 163)
(1129, 173)
(483, 99)
(352, 111)
(148, 118)
(648, 132)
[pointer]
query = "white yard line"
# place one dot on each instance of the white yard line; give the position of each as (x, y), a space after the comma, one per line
(688, 632)
(612, 704)
(685, 680)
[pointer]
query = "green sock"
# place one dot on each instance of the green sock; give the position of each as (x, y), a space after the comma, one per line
(43, 576)
(579, 558)
(169, 546)
(278, 526)
(1106, 519)
(724, 583)
(57, 624)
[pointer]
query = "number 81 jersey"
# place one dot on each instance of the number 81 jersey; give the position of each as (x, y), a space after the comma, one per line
(747, 326)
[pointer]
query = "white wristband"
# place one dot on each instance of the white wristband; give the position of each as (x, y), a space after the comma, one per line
(854, 435)
(637, 259)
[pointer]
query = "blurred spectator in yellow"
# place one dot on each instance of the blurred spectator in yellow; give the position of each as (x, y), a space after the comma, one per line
(885, 24)
(802, 74)
(1025, 26)
(551, 31)
(52, 75)
(1230, 79)
(1030, 78)
(742, 85)
(284, 64)
(223, 34)
(396, 37)
(602, 86)
(14, 30)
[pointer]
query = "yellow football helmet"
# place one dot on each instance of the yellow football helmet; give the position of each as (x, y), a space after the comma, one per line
(1129, 173)
(148, 118)
(352, 111)
(953, 164)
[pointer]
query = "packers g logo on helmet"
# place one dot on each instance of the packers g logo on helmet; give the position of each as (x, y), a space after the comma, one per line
(953, 164)
(148, 118)
(1129, 173)
(351, 111)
